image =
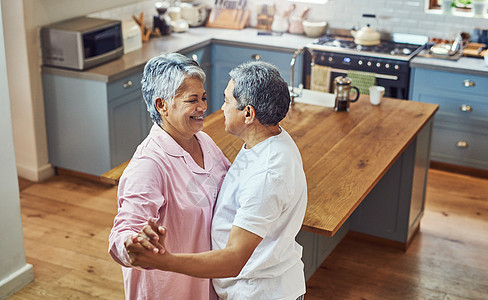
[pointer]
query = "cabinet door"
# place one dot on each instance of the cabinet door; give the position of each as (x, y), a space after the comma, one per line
(225, 58)
(77, 123)
(461, 124)
(128, 127)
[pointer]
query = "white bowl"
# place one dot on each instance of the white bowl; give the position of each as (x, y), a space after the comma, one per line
(314, 28)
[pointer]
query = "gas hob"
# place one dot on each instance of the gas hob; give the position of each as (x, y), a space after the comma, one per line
(398, 49)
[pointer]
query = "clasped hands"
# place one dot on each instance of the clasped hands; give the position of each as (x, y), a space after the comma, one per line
(144, 246)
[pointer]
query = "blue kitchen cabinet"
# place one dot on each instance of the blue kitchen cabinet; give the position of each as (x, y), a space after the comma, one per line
(226, 57)
(93, 126)
(461, 125)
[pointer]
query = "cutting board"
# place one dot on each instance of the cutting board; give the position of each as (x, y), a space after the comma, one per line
(472, 50)
(228, 18)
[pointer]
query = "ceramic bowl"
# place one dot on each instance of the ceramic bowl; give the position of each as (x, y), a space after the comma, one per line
(314, 29)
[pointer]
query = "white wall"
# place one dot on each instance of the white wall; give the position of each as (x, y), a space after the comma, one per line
(14, 272)
(23, 18)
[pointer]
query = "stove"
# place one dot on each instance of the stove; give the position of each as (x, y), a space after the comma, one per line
(389, 60)
(386, 49)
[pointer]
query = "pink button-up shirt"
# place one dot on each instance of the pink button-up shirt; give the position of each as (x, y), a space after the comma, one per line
(162, 181)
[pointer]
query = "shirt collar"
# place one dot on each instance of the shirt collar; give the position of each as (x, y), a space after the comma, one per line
(171, 147)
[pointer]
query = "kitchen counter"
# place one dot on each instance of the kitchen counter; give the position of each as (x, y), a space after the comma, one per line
(344, 154)
(182, 42)
(468, 65)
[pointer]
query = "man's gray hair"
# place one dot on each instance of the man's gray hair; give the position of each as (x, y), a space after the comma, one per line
(163, 76)
(260, 85)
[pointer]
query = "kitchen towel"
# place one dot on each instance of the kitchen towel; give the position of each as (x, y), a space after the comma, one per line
(362, 80)
(320, 80)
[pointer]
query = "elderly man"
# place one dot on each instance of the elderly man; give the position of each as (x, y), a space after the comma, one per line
(261, 204)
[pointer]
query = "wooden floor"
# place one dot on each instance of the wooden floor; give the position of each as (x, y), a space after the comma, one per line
(67, 220)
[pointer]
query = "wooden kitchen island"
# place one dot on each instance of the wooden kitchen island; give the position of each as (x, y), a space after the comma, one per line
(366, 169)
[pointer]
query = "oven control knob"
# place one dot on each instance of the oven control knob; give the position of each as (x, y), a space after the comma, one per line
(360, 62)
(331, 59)
(378, 65)
(387, 66)
(369, 64)
(397, 67)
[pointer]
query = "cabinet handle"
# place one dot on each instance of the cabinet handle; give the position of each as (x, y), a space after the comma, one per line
(194, 57)
(127, 84)
(466, 108)
(256, 57)
(468, 83)
(462, 144)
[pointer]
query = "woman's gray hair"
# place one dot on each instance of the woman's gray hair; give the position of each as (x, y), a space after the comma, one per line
(260, 85)
(163, 76)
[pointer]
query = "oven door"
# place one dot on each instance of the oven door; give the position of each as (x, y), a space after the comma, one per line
(393, 75)
(393, 87)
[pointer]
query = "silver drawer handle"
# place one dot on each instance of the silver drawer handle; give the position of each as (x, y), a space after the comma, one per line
(256, 57)
(468, 83)
(462, 144)
(465, 108)
(127, 84)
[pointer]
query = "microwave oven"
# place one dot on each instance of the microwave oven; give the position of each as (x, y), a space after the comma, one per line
(81, 43)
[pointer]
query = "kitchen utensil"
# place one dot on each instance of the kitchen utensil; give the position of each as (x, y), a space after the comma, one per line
(296, 26)
(342, 89)
(376, 94)
(195, 15)
(280, 22)
(313, 28)
(366, 36)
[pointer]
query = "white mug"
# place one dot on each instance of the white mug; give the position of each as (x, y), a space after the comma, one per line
(375, 94)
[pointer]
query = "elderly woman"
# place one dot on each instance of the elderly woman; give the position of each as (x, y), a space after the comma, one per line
(174, 178)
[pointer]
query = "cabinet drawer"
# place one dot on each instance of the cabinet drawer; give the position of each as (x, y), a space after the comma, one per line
(124, 86)
(457, 107)
(451, 81)
(460, 147)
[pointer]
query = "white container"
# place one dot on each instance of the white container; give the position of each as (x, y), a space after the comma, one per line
(376, 94)
(314, 29)
(131, 34)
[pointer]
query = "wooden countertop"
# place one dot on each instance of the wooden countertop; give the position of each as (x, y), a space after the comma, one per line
(344, 154)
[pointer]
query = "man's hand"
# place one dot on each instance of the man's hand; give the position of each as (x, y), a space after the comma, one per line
(151, 237)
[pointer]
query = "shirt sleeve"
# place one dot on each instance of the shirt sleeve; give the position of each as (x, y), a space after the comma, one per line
(262, 199)
(139, 197)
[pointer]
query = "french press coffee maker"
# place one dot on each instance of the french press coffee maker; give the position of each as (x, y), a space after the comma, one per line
(342, 89)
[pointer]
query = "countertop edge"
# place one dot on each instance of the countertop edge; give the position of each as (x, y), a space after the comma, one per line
(466, 65)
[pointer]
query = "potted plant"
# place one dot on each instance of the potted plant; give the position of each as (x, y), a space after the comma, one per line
(461, 5)
(447, 5)
(479, 7)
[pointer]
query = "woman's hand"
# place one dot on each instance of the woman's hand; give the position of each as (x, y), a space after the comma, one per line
(142, 247)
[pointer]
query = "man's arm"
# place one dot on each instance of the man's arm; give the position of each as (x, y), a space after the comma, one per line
(227, 262)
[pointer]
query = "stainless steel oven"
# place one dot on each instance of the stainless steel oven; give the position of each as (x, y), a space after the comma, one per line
(389, 61)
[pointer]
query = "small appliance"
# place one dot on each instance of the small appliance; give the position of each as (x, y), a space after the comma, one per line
(81, 43)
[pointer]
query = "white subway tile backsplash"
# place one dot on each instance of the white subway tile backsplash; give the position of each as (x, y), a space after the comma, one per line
(406, 16)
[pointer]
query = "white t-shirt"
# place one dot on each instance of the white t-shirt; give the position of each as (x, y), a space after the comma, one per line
(264, 192)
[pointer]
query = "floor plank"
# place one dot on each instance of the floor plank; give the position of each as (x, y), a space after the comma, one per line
(66, 222)
(446, 260)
